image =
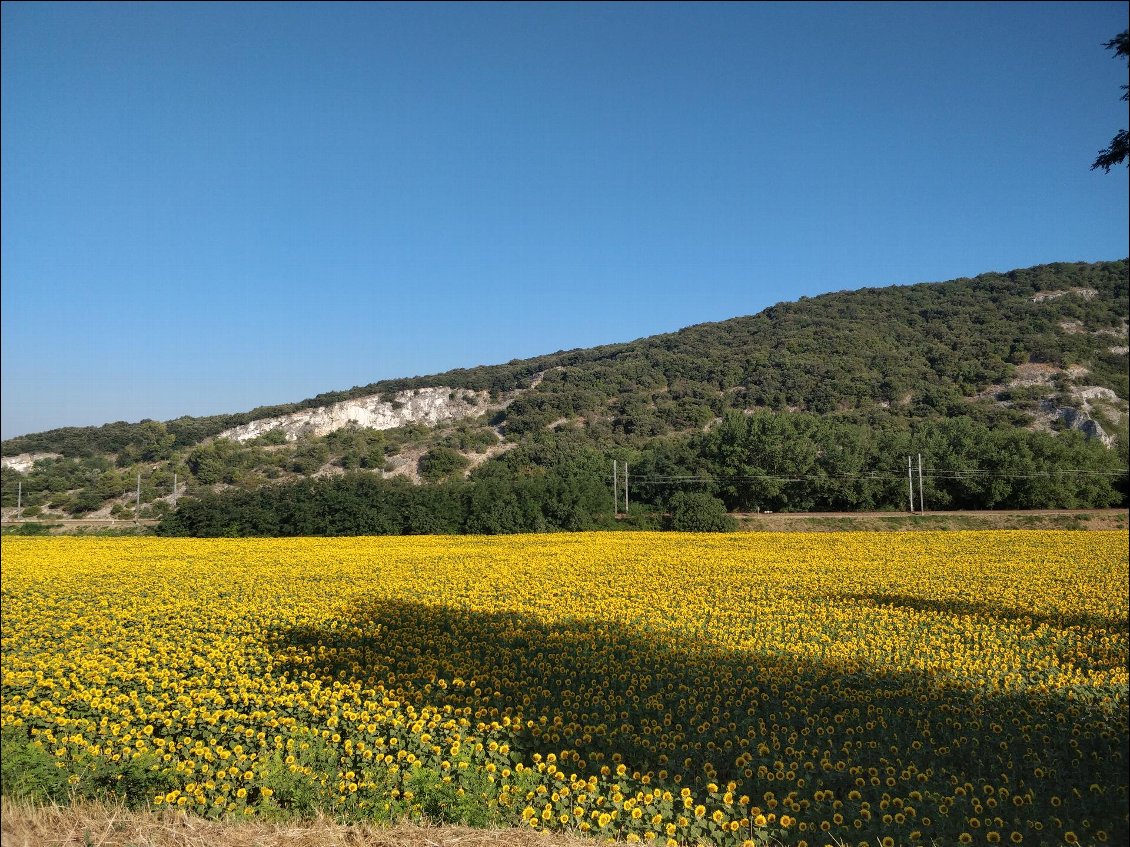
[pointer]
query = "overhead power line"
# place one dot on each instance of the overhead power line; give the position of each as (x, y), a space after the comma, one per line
(877, 477)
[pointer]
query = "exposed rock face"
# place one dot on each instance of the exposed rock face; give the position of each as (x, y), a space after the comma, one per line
(1095, 392)
(1076, 419)
(421, 405)
(1122, 332)
(1031, 373)
(1085, 293)
(1080, 402)
(24, 462)
(1078, 416)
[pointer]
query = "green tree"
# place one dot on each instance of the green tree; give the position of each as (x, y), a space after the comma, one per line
(493, 509)
(440, 463)
(697, 511)
(1119, 147)
(761, 456)
(309, 457)
(85, 501)
(221, 461)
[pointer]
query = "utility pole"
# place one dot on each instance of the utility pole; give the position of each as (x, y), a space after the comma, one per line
(19, 498)
(910, 481)
(174, 490)
(921, 495)
(615, 490)
(137, 508)
(625, 487)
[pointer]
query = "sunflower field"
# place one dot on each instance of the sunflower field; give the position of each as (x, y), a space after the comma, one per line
(855, 688)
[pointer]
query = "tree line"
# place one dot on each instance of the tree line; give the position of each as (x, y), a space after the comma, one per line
(761, 461)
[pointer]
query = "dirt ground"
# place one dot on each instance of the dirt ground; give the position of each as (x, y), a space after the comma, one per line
(1084, 519)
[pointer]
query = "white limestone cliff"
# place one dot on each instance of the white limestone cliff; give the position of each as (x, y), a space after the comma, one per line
(24, 462)
(420, 405)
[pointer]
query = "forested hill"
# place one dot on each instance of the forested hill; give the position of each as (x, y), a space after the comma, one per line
(922, 349)
(1037, 350)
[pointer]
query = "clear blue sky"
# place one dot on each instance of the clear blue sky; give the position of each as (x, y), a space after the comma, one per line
(208, 207)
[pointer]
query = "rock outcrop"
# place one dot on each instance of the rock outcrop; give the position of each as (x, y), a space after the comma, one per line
(1066, 403)
(24, 462)
(421, 405)
(1085, 293)
(1072, 418)
(1079, 415)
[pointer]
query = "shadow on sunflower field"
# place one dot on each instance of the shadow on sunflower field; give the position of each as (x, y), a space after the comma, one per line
(950, 607)
(857, 753)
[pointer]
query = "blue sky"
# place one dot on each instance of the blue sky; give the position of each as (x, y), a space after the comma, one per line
(210, 207)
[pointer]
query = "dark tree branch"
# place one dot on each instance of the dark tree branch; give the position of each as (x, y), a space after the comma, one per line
(1119, 147)
(1115, 154)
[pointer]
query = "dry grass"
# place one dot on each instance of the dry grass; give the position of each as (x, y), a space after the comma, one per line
(1039, 519)
(100, 825)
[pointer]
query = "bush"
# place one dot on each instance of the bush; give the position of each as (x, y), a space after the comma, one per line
(440, 463)
(271, 438)
(85, 501)
(30, 773)
(31, 528)
(27, 770)
(700, 512)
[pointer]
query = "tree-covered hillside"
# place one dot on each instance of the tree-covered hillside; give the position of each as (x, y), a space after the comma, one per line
(1017, 355)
